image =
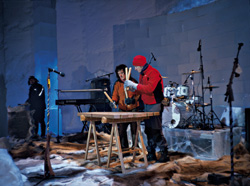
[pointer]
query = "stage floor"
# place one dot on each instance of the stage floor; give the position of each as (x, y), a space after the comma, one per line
(202, 144)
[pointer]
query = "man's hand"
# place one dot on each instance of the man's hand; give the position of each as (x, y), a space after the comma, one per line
(132, 86)
(112, 105)
(129, 101)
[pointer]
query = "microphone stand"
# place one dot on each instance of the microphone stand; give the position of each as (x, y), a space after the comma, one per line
(202, 86)
(150, 60)
(229, 98)
(58, 137)
(48, 171)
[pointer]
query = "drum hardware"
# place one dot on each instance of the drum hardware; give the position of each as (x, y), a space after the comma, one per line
(176, 115)
(194, 119)
(196, 100)
(211, 87)
(212, 114)
(191, 73)
(202, 78)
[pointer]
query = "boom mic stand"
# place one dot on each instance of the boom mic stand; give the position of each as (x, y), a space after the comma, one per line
(229, 98)
(108, 74)
(202, 86)
(152, 57)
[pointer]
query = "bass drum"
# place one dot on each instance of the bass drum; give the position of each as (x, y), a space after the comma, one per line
(176, 115)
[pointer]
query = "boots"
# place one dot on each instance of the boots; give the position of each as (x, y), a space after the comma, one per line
(164, 155)
(151, 154)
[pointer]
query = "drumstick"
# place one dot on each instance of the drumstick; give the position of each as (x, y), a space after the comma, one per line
(126, 75)
(129, 73)
(110, 99)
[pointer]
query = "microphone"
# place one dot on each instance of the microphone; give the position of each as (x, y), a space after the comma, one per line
(153, 56)
(199, 46)
(208, 80)
(240, 45)
(60, 73)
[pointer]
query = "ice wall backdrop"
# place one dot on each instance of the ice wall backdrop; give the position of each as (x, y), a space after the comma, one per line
(86, 39)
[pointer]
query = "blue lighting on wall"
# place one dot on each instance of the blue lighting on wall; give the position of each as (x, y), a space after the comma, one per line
(189, 4)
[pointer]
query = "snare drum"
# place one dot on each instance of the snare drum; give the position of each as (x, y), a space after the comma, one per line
(182, 90)
(196, 100)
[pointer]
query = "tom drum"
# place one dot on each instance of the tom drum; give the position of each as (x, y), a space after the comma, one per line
(170, 91)
(182, 90)
(176, 115)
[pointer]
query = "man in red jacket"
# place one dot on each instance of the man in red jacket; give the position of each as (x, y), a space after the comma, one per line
(151, 89)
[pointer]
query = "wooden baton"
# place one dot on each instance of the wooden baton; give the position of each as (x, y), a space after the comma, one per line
(106, 94)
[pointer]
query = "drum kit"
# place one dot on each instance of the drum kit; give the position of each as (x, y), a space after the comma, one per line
(183, 110)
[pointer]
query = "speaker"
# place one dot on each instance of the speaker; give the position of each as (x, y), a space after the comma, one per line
(100, 83)
(247, 128)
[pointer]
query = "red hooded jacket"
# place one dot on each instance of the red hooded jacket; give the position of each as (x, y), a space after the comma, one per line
(150, 86)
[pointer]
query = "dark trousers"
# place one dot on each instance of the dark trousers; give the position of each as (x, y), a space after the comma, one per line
(123, 131)
(153, 129)
(43, 126)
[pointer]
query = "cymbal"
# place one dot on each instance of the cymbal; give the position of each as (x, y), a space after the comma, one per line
(201, 105)
(192, 72)
(164, 77)
(211, 87)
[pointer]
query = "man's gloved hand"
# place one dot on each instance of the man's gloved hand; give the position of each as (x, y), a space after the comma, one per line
(112, 105)
(129, 101)
(132, 86)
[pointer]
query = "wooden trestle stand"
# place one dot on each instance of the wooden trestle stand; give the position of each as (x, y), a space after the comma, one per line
(114, 118)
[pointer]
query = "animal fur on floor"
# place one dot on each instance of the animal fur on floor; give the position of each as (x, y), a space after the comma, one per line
(182, 168)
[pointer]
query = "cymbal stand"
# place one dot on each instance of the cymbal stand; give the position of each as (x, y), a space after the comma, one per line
(202, 86)
(194, 118)
(212, 113)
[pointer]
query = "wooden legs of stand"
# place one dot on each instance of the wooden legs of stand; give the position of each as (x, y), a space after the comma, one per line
(114, 132)
(92, 124)
(118, 145)
(142, 143)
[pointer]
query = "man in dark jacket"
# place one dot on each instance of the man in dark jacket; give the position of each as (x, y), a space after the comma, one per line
(129, 104)
(151, 89)
(37, 103)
